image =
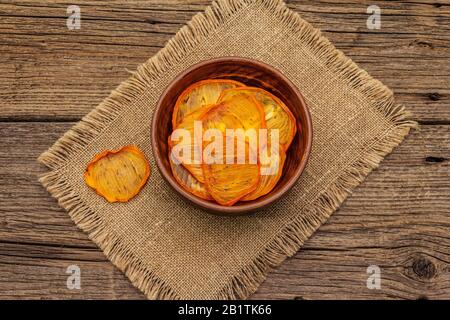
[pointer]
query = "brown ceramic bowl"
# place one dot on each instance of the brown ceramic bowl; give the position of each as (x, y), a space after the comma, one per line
(252, 73)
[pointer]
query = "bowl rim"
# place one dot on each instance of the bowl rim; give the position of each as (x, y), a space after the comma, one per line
(209, 206)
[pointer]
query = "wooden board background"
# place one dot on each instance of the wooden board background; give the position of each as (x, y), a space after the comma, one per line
(398, 219)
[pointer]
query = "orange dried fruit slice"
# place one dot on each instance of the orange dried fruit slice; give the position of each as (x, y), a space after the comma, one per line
(186, 180)
(229, 181)
(118, 175)
(198, 95)
(241, 111)
(270, 175)
(237, 111)
(191, 144)
(277, 114)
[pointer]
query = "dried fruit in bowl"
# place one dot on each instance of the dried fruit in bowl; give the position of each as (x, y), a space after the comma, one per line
(251, 118)
(229, 181)
(118, 175)
(270, 175)
(189, 143)
(237, 111)
(187, 180)
(277, 114)
(198, 95)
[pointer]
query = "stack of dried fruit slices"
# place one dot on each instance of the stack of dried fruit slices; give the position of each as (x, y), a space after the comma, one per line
(224, 104)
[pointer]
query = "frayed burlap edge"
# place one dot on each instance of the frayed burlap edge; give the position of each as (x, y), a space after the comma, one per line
(293, 235)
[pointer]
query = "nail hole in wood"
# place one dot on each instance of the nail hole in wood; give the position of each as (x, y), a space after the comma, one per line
(432, 159)
(421, 44)
(434, 96)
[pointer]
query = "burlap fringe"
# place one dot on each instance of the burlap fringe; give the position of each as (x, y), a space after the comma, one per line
(300, 228)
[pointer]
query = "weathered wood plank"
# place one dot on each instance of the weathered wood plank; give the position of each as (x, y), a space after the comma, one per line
(39, 272)
(31, 214)
(50, 72)
(398, 219)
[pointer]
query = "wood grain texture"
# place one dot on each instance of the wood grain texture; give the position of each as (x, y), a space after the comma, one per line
(398, 219)
(67, 72)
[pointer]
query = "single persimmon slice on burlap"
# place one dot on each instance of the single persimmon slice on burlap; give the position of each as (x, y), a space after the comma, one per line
(229, 181)
(186, 180)
(270, 175)
(191, 144)
(277, 114)
(118, 175)
(198, 95)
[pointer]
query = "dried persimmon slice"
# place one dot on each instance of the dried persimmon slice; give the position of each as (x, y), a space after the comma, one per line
(198, 95)
(118, 175)
(270, 175)
(241, 111)
(277, 114)
(237, 111)
(190, 144)
(186, 180)
(229, 181)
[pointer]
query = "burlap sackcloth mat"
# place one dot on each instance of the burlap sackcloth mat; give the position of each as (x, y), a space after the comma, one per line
(168, 248)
